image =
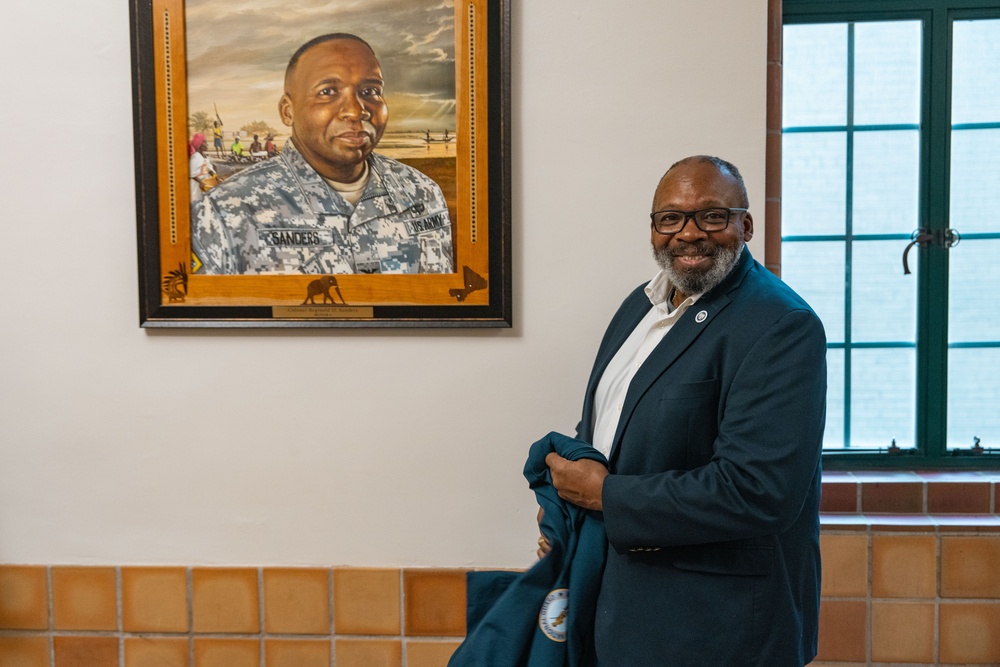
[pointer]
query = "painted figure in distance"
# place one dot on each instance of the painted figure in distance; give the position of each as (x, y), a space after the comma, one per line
(327, 203)
(217, 136)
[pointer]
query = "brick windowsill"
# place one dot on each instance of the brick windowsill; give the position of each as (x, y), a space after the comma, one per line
(923, 501)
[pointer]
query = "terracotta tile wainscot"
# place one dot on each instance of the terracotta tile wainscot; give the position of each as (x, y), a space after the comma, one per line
(911, 576)
(911, 569)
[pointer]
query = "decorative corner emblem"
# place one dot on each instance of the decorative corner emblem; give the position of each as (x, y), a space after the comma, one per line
(473, 282)
(175, 284)
(552, 619)
(701, 316)
(322, 286)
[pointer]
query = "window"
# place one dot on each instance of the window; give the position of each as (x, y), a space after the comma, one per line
(891, 137)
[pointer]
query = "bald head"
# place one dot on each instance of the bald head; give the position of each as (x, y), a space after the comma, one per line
(726, 169)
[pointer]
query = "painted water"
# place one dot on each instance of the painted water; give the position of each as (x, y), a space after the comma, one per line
(409, 145)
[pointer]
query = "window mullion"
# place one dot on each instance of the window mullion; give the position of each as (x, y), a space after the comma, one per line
(932, 308)
(849, 236)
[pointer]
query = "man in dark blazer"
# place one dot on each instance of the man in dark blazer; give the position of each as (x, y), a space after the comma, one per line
(714, 434)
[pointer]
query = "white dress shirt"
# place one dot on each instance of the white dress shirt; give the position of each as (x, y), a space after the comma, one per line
(611, 390)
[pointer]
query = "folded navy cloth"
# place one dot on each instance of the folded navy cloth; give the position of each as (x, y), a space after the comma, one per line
(543, 617)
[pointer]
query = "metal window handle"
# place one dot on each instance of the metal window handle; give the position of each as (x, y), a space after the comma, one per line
(921, 236)
(947, 238)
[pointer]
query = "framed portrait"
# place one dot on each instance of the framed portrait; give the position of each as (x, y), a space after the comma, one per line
(322, 164)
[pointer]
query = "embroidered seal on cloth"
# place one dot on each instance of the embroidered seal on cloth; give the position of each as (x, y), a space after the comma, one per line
(553, 616)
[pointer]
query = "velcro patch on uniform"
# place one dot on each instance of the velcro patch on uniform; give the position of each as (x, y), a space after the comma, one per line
(296, 237)
(428, 223)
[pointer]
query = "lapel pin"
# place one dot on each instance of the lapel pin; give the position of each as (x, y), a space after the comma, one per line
(701, 316)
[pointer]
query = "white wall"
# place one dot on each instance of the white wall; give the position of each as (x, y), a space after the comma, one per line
(125, 446)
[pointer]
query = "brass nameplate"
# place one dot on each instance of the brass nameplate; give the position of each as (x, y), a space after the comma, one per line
(323, 312)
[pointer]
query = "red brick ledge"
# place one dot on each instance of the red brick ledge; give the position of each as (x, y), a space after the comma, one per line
(970, 493)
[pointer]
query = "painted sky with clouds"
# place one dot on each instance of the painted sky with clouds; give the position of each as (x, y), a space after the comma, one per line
(237, 51)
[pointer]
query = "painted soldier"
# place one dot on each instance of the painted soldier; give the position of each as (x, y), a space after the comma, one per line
(327, 203)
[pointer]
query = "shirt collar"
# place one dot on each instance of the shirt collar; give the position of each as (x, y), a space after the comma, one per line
(659, 289)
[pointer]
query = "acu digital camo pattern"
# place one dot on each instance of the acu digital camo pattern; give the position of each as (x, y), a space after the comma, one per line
(280, 216)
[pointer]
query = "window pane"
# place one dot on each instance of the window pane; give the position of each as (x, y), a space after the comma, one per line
(887, 72)
(974, 274)
(975, 88)
(975, 181)
(876, 271)
(886, 182)
(814, 74)
(833, 437)
(973, 285)
(973, 397)
(882, 398)
(815, 270)
(814, 183)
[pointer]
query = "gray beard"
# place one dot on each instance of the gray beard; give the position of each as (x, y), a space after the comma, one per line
(695, 281)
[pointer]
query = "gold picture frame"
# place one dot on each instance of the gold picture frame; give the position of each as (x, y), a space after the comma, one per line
(477, 293)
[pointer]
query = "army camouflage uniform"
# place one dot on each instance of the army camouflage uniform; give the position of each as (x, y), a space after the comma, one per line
(280, 216)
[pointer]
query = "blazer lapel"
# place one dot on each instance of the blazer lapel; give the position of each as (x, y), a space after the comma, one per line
(681, 336)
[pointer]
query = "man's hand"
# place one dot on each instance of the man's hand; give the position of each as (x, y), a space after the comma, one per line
(543, 543)
(579, 482)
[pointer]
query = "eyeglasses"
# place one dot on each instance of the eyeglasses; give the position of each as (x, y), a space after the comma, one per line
(706, 219)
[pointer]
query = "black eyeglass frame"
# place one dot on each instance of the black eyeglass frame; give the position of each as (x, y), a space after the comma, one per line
(693, 215)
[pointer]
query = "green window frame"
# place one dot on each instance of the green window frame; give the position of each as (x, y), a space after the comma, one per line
(930, 258)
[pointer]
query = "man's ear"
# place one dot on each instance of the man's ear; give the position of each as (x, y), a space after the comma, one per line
(747, 226)
(285, 109)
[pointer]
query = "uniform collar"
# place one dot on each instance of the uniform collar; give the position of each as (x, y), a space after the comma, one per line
(383, 194)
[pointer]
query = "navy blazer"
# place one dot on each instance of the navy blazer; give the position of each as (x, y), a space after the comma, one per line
(712, 507)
